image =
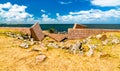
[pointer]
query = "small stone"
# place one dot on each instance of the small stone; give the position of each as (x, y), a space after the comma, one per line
(41, 58)
(24, 45)
(53, 45)
(77, 46)
(91, 46)
(36, 49)
(103, 37)
(98, 36)
(115, 41)
(90, 53)
(105, 42)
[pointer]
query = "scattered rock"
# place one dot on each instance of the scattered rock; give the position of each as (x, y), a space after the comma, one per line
(32, 42)
(77, 46)
(103, 37)
(36, 49)
(115, 41)
(91, 46)
(41, 58)
(53, 45)
(90, 53)
(24, 45)
(98, 36)
(19, 36)
(105, 42)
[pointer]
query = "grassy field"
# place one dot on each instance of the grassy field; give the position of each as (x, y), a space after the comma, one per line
(15, 58)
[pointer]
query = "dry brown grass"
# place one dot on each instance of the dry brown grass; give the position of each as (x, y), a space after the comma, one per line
(14, 58)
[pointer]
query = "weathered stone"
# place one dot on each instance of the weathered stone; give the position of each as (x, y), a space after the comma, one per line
(103, 37)
(90, 52)
(36, 49)
(53, 45)
(36, 32)
(57, 37)
(24, 45)
(77, 46)
(91, 46)
(115, 41)
(40, 58)
(105, 42)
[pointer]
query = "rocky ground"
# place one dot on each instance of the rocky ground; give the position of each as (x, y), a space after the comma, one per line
(19, 52)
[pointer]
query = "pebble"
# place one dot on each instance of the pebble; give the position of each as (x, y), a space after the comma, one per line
(90, 53)
(36, 49)
(105, 42)
(53, 45)
(115, 41)
(40, 58)
(24, 45)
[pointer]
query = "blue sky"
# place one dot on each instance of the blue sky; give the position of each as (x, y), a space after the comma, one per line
(60, 11)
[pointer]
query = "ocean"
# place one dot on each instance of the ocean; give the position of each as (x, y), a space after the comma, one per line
(64, 27)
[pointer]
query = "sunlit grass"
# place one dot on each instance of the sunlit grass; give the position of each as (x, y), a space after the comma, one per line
(14, 58)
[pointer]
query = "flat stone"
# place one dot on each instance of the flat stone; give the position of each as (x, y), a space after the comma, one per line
(36, 32)
(103, 37)
(24, 45)
(57, 37)
(41, 58)
(53, 45)
(36, 49)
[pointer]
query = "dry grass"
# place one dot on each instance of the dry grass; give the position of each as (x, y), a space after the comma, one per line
(14, 58)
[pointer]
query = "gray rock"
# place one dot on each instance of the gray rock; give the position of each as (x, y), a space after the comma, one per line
(115, 41)
(105, 42)
(53, 45)
(24, 45)
(36, 49)
(90, 52)
(76, 47)
(91, 46)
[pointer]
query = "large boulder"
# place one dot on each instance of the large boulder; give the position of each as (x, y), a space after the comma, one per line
(36, 32)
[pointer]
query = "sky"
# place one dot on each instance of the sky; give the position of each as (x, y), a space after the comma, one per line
(60, 11)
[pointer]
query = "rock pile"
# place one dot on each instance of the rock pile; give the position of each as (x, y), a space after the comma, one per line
(76, 47)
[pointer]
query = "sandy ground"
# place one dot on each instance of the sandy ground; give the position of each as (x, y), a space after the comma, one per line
(15, 58)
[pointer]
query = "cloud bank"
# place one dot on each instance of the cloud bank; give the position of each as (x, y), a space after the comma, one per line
(104, 3)
(14, 13)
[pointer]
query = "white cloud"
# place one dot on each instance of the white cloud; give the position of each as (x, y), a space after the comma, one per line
(69, 2)
(43, 11)
(92, 16)
(13, 13)
(46, 20)
(17, 14)
(104, 3)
